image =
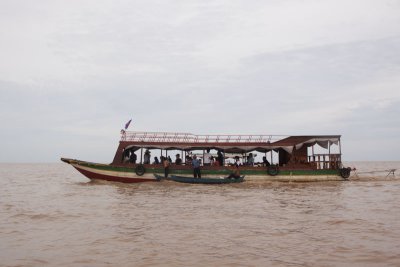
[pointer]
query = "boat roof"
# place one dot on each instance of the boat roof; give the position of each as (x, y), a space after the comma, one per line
(227, 142)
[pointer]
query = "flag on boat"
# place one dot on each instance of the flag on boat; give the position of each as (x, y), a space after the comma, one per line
(127, 124)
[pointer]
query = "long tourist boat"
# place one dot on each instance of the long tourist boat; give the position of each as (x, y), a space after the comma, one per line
(284, 158)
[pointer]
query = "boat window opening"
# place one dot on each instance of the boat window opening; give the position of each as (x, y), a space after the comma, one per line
(214, 157)
(201, 154)
(155, 156)
(174, 154)
(198, 155)
(324, 158)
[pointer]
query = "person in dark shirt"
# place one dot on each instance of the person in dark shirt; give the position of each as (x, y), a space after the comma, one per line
(133, 158)
(220, 158)
(178, 160)
(265, 162)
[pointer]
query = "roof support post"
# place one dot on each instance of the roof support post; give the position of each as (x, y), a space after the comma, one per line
(272, 162)
(279, 151)
(340, 151)
(141, 155)
(329, 154)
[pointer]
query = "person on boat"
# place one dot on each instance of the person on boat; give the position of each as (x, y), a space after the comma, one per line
(207, 158)
(156, 161)
(169, 159)
(237, 162)
(126, 157)
(215, 162)
(146, 158)
(196, 167)
(166, 167)
(220, 158)
(178, 160)
(235, 174)
(133, 158)
(250, 159)
(265, 162)
(188, 160)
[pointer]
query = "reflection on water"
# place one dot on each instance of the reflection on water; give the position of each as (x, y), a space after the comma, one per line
(51, 215)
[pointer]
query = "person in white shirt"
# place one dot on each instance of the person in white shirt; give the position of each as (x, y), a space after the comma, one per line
(207, 158)
(146, 158)
(250, 159)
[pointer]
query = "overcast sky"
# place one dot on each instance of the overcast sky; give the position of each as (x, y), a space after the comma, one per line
(72, 73)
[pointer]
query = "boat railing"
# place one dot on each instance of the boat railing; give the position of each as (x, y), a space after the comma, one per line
(161, 137)
(326, 161)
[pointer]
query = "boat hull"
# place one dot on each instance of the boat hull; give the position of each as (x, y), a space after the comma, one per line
(129, 174)
(191, 180)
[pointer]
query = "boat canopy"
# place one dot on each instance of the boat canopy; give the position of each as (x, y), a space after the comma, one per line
(227, 143)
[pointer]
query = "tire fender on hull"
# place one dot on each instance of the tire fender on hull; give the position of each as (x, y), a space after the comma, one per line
(345, 172)
(273, 170)
(140, 170)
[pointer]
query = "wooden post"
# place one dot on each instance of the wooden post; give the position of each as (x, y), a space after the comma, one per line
(329, 147)
(329, 154)
(278, 157)
(313, 154)
(271, 158)
(141, 155)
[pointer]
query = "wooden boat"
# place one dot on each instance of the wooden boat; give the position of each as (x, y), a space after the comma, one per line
(192, 180)
(285, 158)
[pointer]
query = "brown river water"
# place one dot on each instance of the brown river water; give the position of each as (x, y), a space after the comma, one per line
(50, 215)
